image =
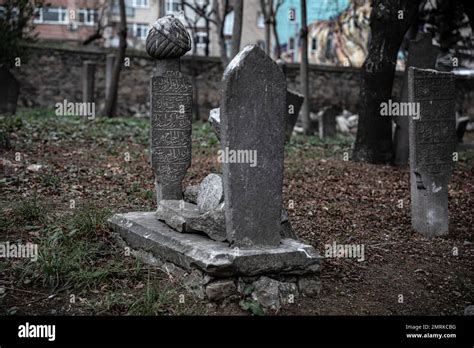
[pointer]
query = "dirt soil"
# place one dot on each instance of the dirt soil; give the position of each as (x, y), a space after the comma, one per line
(329, 200)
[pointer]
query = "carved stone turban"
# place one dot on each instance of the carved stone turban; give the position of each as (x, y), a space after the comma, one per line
(168, 38)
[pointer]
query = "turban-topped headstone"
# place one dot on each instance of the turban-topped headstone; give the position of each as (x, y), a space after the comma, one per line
(168, 38)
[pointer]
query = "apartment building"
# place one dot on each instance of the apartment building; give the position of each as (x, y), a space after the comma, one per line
(76, 20)
(140, 16)
(68, 19)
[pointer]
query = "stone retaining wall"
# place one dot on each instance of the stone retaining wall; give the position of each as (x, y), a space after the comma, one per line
(53, 74)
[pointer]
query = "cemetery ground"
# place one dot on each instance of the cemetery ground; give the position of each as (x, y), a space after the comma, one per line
(90, 169)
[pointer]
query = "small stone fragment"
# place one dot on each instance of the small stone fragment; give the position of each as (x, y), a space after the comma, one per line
(35, 168)
(215, 121)
(267, 293)
(286, 229)
(195, 283)
(177, 214)
(211, 223)
(185, 217)
(309, 286)
(173, 271)
(191, 193)
(211, 193)
(220, 290)
(469, 310)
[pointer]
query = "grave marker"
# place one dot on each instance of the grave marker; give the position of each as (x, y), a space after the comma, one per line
(253, 112)
(432, 143)
(9, 90)
(109, 68)
(88, 81)
(421, 54)
(327, 122)
(171, 101)
(294, 102)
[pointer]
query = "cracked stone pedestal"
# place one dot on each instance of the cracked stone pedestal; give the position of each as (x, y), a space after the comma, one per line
(216, 271)
(144, 231)
(185, 217)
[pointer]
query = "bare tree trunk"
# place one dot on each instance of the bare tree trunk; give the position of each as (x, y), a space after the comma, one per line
(100, 26)
(237, 27)
(275, 27)
(220, 27)
(208, 32)
(191, 23)
(268, 27)
(304, 70)
(269, 14)
(161, 8)
(110, 108)
(389, 22)
(277, 38)
(469, 10)
(266, 7)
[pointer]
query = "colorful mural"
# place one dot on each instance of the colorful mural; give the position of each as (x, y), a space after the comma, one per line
(338, 32)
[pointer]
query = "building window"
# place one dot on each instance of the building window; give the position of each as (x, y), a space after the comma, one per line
(129, 8)
(13, 13)
(228, 47)
(140, 31)
(200, 41)
(87, 16)
(229, 23)
(314, 44)
(140, 3)
(172, 6)
(51, 15)
(260, 20)
(201, 38)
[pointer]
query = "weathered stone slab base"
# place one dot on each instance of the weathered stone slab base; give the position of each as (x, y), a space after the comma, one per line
(191, 251)
(271, 291)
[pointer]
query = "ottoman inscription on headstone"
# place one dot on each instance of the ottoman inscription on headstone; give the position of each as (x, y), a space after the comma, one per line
(253, 110)
(432, 143)
(171, 101)
(421, 54)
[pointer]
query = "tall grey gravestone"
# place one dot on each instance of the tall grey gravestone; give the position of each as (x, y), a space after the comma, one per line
(253, 112)
(421, 54)
(327, 122)
(9, 90)
(432, 145)
(109, 69)
(294, 102)
(88, 81)
(171, 102)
